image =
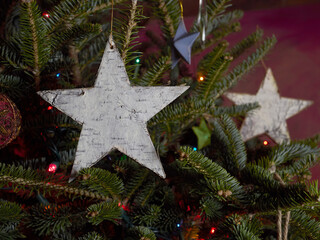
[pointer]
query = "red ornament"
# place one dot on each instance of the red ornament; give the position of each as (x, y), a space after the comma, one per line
(45, 14)
(52, 168)
(10, 121)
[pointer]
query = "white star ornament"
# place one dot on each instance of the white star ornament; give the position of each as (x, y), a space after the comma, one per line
(114, 114)
(271, 117)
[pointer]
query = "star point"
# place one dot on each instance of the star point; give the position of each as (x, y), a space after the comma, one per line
(113, 114)
(271, 117)
(182, 43)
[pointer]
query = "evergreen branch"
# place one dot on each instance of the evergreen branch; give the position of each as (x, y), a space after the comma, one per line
(211, 207)
(217, 7)
(91, 7)
(12, 85)
(92, 51)
(214, 74)
(130, 26)
(209, 60)
(49, 219)
(33, 39)
(108, 210)
(234, 153)
(271, 194)
(91, 236)
(145, 194)
(233, 77)
(235, 110)
(167, 11)
(243, 228)
(136, 182)
(286, 152)
(10, 212)
(61, 14)
(74, 32)
(21, 179)
(142, 233)
(155, 72)
(219, 34)
(10, 56)
(190, 109)
(246, 43)
(102, 181)
(307, 227)
(212, 171)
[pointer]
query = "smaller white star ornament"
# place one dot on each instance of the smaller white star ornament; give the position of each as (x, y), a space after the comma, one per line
(271, 117)
(182, 43)
(114, 114)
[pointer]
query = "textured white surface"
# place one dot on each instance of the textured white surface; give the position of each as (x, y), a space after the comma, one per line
(113, 114)
(271, 117)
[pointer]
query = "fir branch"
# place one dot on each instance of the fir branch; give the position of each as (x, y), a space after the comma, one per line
(136, 182)
(91, 236)
(130, 26)
(286, 152)
(234, 152)
(154, 73)
(142, 233)
(21, 179)
(33, 39)
(212, 57)
(170, 15)
(217, 7)
(108, 210)
(244, 228)
(233, 77)
(210, 170)
(102, 181)
(10, 212)
(235, 110)
(214, 74)
(304, 225)
(246, 43)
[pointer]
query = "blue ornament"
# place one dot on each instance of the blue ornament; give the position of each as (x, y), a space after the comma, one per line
(182, 43)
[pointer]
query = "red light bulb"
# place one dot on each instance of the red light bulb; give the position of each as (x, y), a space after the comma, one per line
(50, 108)
(45, 14)
(213, 229)
(265, 142)
(52, 168)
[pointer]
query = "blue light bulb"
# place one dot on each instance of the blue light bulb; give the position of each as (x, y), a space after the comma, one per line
(178, 225)
(195, 149)
(58, 75)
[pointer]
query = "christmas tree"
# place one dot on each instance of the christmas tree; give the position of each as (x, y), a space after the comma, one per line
(91, 152)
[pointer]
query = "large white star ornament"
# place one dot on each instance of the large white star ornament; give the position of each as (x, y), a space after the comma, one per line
(271, 117)
(114, 114)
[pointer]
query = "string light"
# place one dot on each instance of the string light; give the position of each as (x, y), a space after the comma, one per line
(201, 78)
(195, 149)
(45, 14)
(58, 75)
(52, 168)
(213, 229)
(50, 108)
(265, 142)
(178, 225)
(137, 60)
